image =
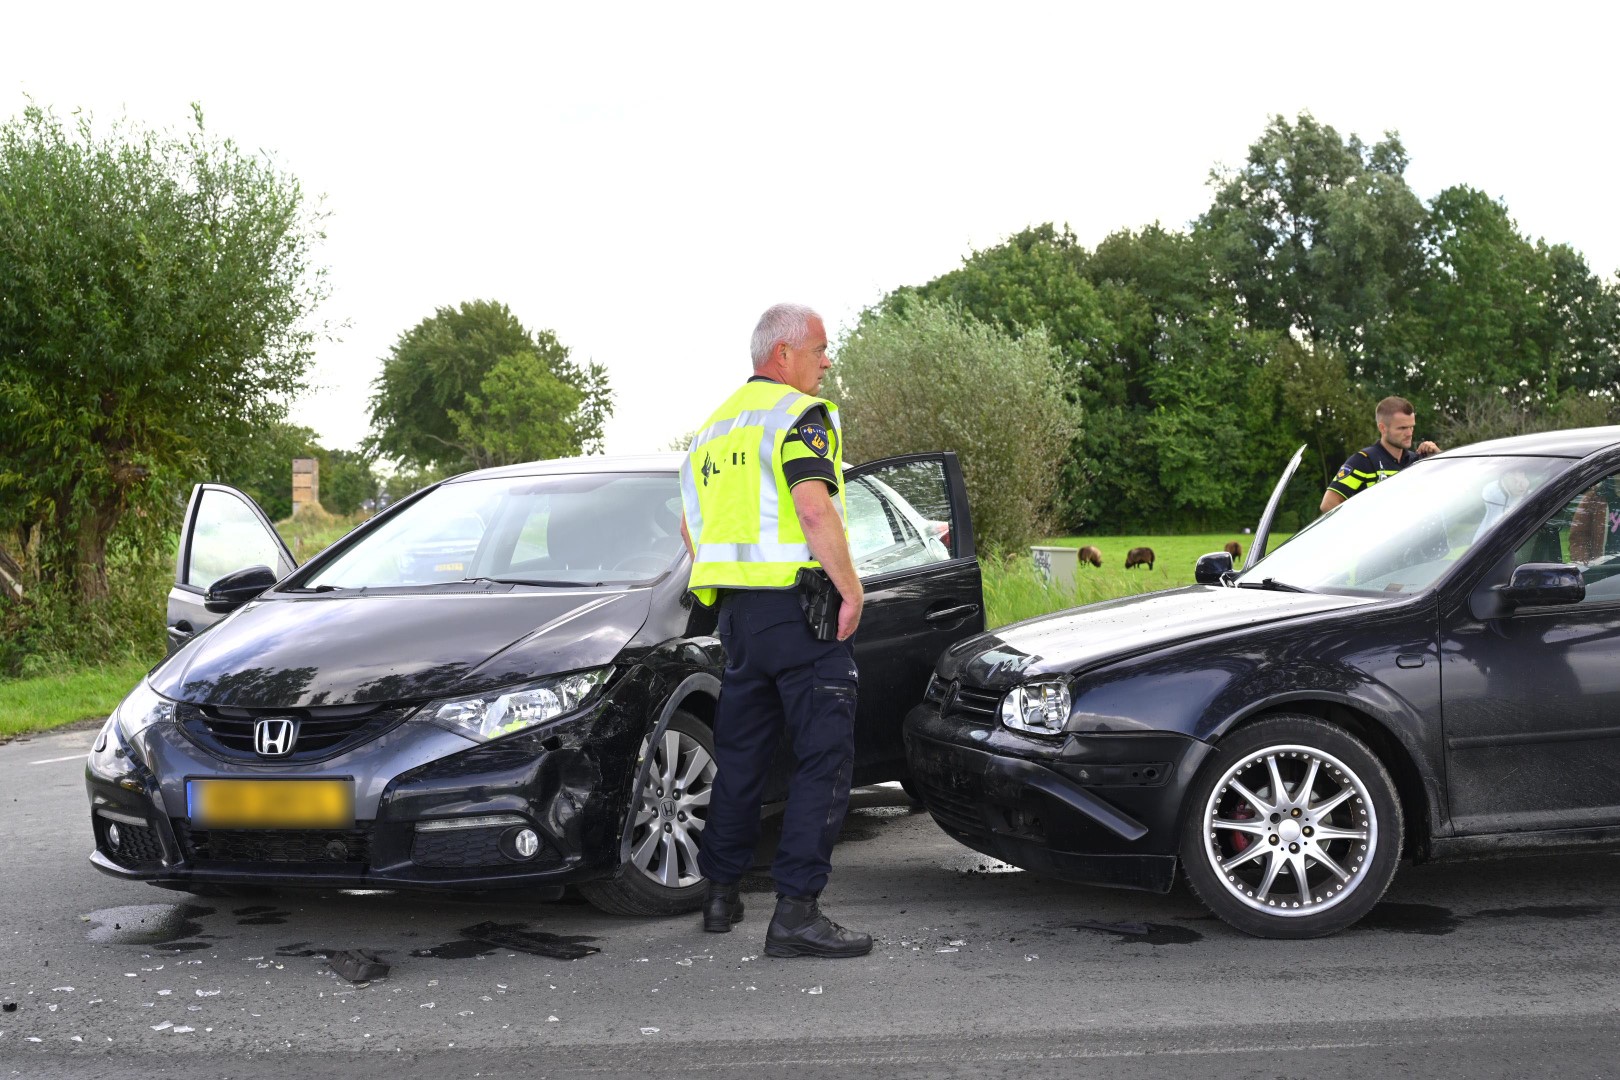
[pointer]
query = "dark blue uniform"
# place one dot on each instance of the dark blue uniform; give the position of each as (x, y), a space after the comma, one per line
(1367, 467)
(779, 676)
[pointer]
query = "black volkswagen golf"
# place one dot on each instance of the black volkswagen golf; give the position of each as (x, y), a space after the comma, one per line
(499, 682)
(1433, 667)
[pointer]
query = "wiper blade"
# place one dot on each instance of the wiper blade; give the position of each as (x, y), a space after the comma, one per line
(319, 588)
(531, 581)
(1271, 583)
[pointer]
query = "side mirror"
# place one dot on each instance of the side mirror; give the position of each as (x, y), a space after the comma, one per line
(1534, 584)
(237, 588)
(1212, 569)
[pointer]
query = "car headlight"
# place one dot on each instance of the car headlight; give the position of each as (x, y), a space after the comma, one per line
(489, 716)
(1041, 708)
(140, 710)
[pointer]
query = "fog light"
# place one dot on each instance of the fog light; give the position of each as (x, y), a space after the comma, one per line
(113, 836)
(527, 843)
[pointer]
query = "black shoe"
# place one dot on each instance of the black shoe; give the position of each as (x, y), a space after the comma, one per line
(722, 907)
(800, 929)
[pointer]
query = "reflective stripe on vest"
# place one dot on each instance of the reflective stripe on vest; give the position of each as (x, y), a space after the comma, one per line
(749, 546)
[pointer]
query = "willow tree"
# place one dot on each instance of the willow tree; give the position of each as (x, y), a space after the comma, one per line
(155, 294)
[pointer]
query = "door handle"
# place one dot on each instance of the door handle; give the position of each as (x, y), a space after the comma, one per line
(961, 611)
(1409, 660)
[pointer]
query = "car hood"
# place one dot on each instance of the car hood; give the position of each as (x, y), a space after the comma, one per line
(1069, 642)
(329, 650)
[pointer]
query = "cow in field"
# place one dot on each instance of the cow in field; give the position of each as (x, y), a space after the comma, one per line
(1234, 549)
(1142, 556)
(1089, 554)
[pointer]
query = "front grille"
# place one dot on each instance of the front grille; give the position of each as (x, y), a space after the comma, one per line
(951, 808)
(322, 731)
(972, 704)
(336, 846)
(137, 844)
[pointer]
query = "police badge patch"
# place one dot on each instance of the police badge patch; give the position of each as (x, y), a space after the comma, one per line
(815, 437)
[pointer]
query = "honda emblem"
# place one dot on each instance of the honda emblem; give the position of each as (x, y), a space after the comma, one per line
(275, 736)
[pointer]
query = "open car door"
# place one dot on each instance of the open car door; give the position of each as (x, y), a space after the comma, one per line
(224, 531)
(912, 543)
(1262, 532)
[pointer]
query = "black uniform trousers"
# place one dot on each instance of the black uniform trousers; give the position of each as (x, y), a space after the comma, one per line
(779, 676)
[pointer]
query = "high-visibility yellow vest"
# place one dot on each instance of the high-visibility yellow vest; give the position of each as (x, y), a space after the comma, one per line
(739, 512)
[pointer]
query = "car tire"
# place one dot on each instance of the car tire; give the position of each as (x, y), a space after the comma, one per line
(1245, 850)
(661, 876)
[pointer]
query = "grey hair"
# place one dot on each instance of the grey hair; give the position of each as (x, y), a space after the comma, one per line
(781, 322)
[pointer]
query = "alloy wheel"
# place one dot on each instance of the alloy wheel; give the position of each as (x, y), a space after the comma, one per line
(673, 810)
(1290, 830)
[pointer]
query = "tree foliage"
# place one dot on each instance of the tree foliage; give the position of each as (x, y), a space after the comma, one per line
(263, 471)
(521, 412)
(1316, 283)
(440, 401)
(1318, 235)
(929, 376)
(154, 300)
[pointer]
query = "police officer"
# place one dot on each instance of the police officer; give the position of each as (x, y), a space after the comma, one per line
(763, 491)
(1396, 420)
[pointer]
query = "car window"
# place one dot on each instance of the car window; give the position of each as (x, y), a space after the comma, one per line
(886, 531)
(1400, 536)
(587, 529)
(228, 536)
(1586, 532)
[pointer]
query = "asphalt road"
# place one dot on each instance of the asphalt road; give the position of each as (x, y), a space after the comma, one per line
(1489, 969)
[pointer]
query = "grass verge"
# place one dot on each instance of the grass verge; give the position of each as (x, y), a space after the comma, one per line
(50, 701)
(1014, 590)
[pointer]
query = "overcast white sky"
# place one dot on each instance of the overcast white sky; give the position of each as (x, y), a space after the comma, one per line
(645, 179)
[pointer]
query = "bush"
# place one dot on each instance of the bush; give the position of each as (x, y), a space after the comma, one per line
(52, 629)
(930, 377)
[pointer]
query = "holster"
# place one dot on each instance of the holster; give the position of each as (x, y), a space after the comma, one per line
(820, 602)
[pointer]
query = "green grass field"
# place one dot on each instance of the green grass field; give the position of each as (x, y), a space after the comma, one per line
(50, 701)
(1014, 589)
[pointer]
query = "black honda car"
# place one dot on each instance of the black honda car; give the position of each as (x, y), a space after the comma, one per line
(1433, 667)
(500, 681)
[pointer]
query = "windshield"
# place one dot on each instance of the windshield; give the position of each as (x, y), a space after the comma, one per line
(1399, 536)
(583, 529)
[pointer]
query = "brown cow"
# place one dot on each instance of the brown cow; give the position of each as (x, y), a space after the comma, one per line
(1089, 554)
(1235, 550)
(1142, 556)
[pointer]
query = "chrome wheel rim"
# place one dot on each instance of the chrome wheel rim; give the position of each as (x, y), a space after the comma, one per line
(1290, 831)
(671, 813)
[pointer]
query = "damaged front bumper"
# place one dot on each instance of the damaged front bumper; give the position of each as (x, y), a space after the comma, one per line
(1096, 809)
(432, 811)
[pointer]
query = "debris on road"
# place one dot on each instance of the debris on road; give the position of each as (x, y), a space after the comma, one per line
(487, 937)
(358, 965)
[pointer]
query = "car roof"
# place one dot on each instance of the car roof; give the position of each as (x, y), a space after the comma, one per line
(595, 463)
(1573, 443)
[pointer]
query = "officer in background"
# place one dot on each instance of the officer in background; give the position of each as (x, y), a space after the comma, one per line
(763, 492)
(1397, 421)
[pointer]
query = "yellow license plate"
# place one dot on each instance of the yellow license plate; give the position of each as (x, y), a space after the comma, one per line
(271, 804)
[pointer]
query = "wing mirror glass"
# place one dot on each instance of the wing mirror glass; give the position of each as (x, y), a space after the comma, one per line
(1212, 569)
(237, 588)
(1534, 584)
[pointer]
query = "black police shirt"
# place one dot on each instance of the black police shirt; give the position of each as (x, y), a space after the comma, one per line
(1367, 467)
